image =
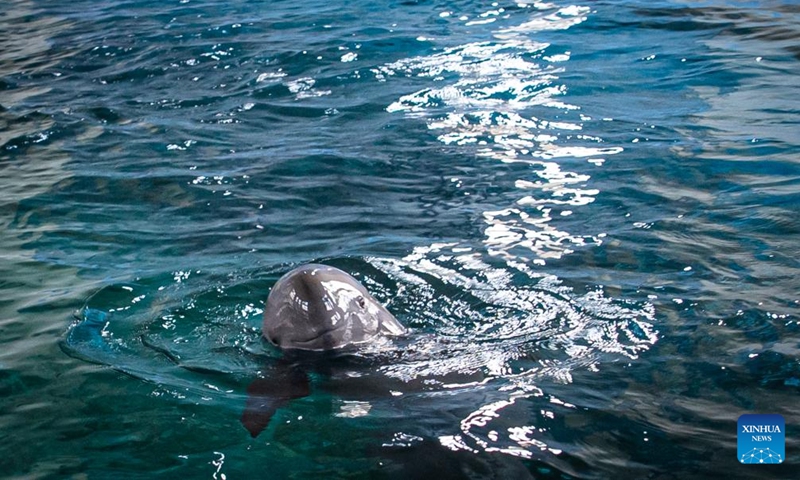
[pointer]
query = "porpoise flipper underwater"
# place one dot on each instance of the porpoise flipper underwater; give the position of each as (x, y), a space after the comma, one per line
(266, 395)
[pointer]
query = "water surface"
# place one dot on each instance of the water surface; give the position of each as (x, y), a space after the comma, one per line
(587, 214)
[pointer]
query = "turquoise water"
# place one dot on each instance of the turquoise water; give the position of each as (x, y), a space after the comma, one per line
(587, 214)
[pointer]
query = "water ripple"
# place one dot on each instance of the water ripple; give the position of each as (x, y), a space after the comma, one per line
(195, 336)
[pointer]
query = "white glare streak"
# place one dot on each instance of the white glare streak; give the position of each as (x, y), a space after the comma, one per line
(482, 96)
(503, 101)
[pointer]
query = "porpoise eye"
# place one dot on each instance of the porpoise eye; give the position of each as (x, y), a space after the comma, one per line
(361, 302)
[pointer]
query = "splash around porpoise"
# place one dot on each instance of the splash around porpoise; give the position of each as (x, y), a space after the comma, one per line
(318, 316)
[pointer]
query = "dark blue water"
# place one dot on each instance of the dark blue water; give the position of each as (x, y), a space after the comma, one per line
(586, 213)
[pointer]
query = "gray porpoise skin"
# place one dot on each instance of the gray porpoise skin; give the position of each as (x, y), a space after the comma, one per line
(318, 307)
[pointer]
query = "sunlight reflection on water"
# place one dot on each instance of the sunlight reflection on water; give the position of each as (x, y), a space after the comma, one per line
(482, 98)
(516, 336)
(489, 105)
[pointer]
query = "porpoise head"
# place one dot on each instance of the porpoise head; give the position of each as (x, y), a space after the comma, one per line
(318, 307)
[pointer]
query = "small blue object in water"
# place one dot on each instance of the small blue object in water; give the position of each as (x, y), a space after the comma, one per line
(88, 332)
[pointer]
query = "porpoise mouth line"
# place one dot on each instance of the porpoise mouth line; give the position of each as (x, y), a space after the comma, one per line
(318, 336)
(301, 344)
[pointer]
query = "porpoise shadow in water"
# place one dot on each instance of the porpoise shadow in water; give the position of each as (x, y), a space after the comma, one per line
(316, 314)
